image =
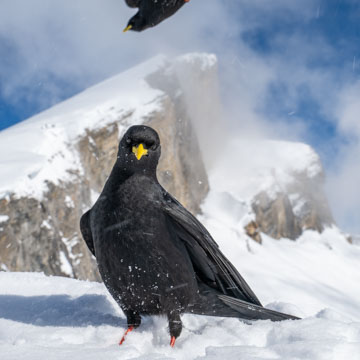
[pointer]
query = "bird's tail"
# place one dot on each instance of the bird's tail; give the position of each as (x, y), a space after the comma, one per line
(212, 303)
(252, 312)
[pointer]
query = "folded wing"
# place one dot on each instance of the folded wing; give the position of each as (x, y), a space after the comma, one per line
(86, 231)
(210, 264)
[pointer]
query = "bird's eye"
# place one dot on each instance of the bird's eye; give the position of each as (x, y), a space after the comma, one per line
(128, 141)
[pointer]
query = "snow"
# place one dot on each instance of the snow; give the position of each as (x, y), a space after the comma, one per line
(297, 203)
(42, 147)
(45, 224)
(56, 318)
(70, 243)
(245, 168)
(263, 165)
(4, 218)
(65, 265)
(206, 61)
(94, 195)
(4, 267)
(69, 202)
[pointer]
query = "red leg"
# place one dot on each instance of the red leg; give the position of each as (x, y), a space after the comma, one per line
(175, 326)
(172, 341)
(130, 328)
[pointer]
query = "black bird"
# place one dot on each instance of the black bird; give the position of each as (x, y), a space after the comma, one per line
(151, 12)
(154, 257)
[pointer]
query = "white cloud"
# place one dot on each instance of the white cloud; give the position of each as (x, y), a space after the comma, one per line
(83, 41)
(344, 177)
(349, 110)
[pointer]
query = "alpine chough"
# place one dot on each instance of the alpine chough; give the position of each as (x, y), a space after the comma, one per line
(151, 12)
(154, 257)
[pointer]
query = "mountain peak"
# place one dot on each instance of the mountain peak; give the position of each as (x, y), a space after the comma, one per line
(39, 149)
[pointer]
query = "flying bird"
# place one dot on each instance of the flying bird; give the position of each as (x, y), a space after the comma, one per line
(154, 256)
(151, 12)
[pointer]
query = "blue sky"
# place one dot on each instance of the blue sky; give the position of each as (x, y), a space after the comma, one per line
(289, 67)
(335, 24)
(336, 21)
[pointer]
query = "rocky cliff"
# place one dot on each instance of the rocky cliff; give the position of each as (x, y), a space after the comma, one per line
(299, 204)
(278, 187)
(58, 162)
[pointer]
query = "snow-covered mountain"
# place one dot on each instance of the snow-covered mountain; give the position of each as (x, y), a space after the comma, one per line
(55, 164)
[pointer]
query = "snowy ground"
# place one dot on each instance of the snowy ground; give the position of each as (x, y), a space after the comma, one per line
(58, 318)
(316, 278)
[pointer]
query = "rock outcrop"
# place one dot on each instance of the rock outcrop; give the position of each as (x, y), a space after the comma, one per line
(299, 204)
(278, 186)
(275, 217)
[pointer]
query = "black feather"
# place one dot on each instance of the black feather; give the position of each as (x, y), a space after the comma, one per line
(86, 231)
(152, 12)
(204, 250)
(133, 3)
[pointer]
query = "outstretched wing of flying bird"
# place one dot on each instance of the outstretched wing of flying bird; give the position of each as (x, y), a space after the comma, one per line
(133, 3)
(210, 264)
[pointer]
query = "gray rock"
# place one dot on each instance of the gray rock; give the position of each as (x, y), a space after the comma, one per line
(275, 217)
(302, 205)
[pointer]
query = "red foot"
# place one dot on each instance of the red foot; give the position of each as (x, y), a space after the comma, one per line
(186, 0)
(130, 328)
(172, 341)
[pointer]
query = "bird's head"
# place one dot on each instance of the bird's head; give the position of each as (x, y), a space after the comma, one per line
(139, 150)
(137, 23)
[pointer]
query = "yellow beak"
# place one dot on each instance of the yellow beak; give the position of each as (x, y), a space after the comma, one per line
(139, 151)
(127, 28)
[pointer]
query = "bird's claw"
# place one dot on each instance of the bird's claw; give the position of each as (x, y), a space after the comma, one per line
(130, 328)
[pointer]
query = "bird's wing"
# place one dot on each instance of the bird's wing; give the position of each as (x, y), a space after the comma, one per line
(210, 264)
(133, 3)
(86, 231)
